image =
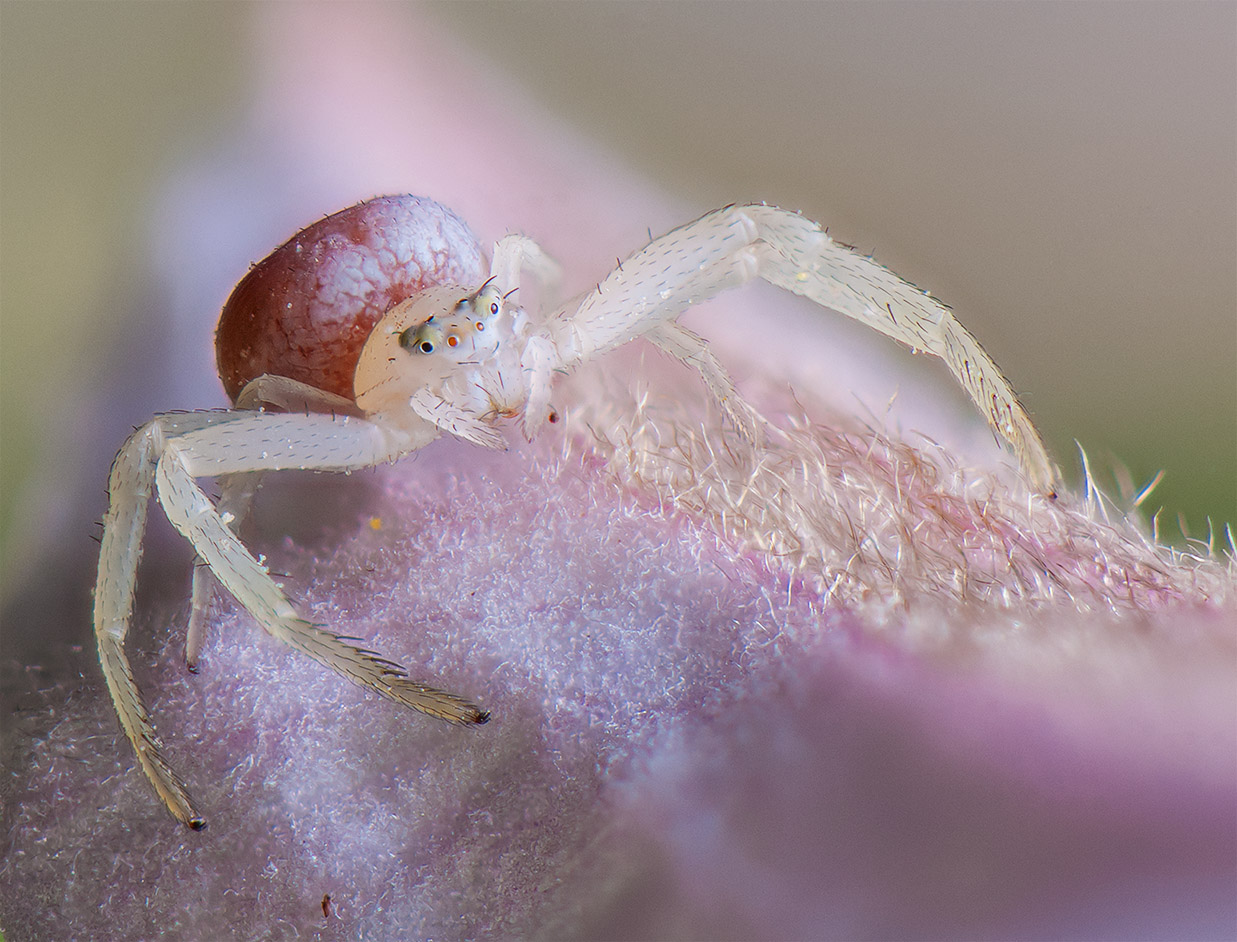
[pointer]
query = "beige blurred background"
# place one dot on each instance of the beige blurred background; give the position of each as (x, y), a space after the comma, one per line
(1064, 175)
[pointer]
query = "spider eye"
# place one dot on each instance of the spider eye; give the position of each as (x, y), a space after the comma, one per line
(424, 338)
(494, 307)
(480, 325)
(452, 340)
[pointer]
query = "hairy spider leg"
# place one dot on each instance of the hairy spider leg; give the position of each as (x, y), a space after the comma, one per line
(516, 253)
(693, 351)
(129, 486)
(237, 491)
(730, 246)
(236, 494)
(801, 258)
(173, 450)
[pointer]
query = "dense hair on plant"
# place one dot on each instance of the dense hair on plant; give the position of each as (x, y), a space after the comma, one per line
(867, 518)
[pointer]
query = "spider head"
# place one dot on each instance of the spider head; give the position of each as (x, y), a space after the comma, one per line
(459, 334)
(426, 339)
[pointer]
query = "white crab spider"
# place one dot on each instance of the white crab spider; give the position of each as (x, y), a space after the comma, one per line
(459, 358)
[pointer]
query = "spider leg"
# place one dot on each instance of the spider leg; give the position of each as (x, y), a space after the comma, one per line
(129, 487)
(291, 395)
(801, 258)
(692, 350)
(655, 285)
(175, 449)
(730, 246)
(649, 289)
(236, 491)
(515, 253)
(452, 418)
(236, 494)
(266, 442)
(539, 360)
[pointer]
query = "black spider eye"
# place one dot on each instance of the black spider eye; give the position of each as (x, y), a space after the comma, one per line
(494, 307)
(426, 347)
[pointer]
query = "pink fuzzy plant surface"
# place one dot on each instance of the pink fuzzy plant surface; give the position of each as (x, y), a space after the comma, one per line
(849, 683)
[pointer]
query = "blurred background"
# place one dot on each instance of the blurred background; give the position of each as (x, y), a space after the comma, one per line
(1065, 176)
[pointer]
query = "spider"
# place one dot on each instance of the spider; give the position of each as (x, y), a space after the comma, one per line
(375, 330)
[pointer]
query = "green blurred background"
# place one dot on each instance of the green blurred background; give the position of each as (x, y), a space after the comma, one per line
(1064, 175)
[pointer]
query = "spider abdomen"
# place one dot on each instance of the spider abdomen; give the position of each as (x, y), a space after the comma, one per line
(305, 311)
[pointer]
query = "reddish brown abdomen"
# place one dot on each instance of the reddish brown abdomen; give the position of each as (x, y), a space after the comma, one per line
(306, 309)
